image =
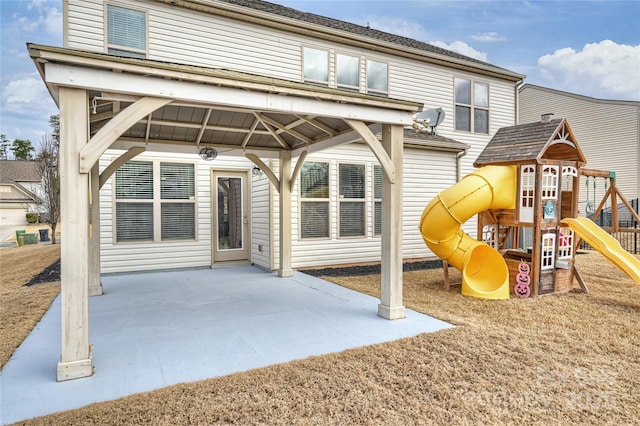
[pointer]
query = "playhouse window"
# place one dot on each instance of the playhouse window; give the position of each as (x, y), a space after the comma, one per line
(314, 200)
(472, 106)
(126, 32)
(352, 202)
(568, 173)
(527, 186)
(548, 251)
(155, 201)
(549, 183)
(565, 243)
(490, 235)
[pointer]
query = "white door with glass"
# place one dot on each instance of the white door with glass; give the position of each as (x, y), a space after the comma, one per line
(231, 237)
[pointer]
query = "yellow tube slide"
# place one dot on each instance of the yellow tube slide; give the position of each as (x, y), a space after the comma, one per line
(485, 274)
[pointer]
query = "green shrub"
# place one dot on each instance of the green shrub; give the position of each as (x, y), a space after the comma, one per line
(32, 217)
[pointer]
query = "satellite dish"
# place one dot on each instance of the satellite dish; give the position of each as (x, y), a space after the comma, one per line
(208, 154)
(430, 118)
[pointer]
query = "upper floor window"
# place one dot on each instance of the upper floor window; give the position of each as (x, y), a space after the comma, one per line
(472, 106)
(126, 32)
(348, 71)
(155, 201)
(344, 71)
(377, 78)
(316, 65)
(314, 200)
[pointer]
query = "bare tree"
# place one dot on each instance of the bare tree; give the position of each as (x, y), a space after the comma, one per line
(48, 163)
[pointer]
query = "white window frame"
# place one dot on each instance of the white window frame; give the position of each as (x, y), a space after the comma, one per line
(548, 254)
(327, 69)
(490, 235)
(123, 50)
(362, 200)
(472, 105)
(157, 203)
(377, 200)
(527, 192)
(327, 200)
(565, 243)
(372, 90)
(549, 183)
(353, 88)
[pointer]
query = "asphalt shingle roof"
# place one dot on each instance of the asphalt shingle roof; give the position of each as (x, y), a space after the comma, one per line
(12, 171)
(518, 143)
(311, 18)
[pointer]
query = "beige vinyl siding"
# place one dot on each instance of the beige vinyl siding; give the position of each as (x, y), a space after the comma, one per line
(260, 223)
(608, 132)
(142, 256)
(85, 24)
(425, 174)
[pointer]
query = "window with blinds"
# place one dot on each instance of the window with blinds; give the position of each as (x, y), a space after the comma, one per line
(377, 200)
(155, 201)
(126, 32)
(314, 200)
(352, 202)
(134, 201)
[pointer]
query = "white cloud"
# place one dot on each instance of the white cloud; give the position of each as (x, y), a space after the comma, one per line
(24, 91)
(416, 31)
(488, 37)
(462, 48)
(604, 70)
(42, 18)
(397, 26)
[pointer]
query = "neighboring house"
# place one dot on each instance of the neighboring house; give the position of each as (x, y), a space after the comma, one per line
(21, 189)
(608, 132)
(339, 223)
(183, 100)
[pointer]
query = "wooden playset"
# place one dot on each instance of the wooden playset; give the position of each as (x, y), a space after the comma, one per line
(536, 238)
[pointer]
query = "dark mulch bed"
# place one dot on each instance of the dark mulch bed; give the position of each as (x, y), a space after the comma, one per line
(351, 271)
(50, 274)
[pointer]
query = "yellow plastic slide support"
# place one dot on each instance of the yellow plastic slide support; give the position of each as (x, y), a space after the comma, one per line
(485, 274)
(600, 240)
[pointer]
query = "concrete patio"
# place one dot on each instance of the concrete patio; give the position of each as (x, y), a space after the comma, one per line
(152, 330)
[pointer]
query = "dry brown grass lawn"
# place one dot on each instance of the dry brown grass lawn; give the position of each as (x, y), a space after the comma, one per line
(22, 307)
(560, 359)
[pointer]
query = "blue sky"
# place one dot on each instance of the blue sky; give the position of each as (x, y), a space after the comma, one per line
(590, 48)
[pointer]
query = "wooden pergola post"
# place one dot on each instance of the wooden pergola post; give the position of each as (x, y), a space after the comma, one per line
(285, 214)
(391, 306)
(95, 284)
(76, 357)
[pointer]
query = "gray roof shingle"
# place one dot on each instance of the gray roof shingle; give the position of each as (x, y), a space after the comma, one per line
(518, 143)
(311, 18)
(12, 171)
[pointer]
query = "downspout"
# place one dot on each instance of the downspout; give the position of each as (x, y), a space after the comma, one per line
(459, 156)
(518, 86)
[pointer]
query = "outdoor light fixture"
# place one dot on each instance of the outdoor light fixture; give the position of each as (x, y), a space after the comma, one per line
(208, 154)
(255, 171)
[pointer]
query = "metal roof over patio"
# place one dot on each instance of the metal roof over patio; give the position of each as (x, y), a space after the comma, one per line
(137, 104)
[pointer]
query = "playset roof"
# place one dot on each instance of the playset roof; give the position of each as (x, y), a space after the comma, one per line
(532, 142)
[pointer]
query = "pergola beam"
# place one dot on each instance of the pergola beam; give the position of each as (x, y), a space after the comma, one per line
(375, 146)
(119, 124)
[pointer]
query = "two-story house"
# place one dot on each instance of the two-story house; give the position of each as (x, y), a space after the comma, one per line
(208, 132)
